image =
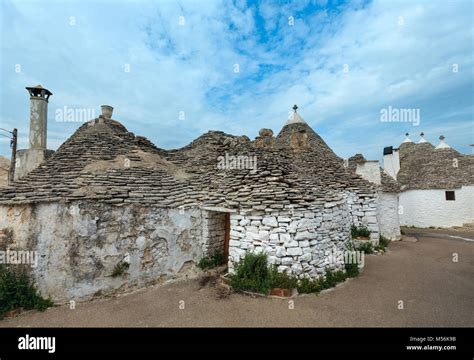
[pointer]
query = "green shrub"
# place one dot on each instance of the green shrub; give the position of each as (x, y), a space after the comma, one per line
(17, 290)
(281, 279)
(329, 279)
(359, 231)
(367, 247)
(352, 270)
(120, 269)
(308, 286)
(212, 261)
(383, 243)
(252, 274)
(354, 231)
(205, 263)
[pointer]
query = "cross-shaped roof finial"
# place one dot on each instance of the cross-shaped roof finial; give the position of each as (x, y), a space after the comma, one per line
(295, 107)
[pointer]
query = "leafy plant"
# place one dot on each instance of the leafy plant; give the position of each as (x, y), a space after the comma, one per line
(252, 274)
(120, 269)
(17, 290)
(308, 286)
(366, 247)
(212, 261)
(281, 279)
(383, 243)
(352, 270)
(360, 231)
(354, 231)
(330, 279)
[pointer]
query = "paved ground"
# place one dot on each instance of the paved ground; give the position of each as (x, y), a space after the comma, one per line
(435, 292)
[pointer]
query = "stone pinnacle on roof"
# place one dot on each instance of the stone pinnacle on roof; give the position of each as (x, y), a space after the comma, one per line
(407, 139)
(442, 144)
(422, 138)
(295, 118)
(107, 111)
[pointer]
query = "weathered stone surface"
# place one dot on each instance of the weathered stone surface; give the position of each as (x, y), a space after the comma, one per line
(159, 243)
(293, 251)
(280, 251)
(270, 221)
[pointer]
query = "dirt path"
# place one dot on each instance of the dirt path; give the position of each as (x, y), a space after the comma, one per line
(435, 292)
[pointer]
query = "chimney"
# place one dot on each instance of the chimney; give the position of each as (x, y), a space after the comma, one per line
(38, 116)
(29, 159)
(391, 161)
(107, 111)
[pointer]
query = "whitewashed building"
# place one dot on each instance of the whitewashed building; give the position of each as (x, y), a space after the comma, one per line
(108, 199)
(388, 194)
(437, 183)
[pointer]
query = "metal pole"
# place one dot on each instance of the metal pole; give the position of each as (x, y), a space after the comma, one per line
(13, 157)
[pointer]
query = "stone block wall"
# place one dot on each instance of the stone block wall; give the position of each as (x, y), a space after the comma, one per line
(213, 231)
(297, 240)
(79, 244)
(363, 211)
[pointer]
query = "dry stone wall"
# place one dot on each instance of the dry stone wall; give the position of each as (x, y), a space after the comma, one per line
(363, 211)
(213, 230)
(297, 240)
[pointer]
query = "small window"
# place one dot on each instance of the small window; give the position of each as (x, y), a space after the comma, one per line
(450, 195)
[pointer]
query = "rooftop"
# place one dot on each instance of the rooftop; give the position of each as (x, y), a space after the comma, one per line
(103, 161)
(422, 166)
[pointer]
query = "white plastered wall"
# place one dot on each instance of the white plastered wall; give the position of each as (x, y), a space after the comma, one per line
(425, 208)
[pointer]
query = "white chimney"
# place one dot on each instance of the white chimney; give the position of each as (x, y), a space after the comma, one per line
(391, 161)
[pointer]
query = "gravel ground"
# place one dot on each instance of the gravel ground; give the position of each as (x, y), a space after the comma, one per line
(435, 292)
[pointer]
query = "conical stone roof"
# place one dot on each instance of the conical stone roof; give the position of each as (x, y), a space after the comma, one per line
(102, 161)
(424, 167)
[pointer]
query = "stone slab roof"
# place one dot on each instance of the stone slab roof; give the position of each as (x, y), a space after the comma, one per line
(424, 167)
(102, 161)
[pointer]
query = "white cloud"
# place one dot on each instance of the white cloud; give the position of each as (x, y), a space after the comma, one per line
(190, 68)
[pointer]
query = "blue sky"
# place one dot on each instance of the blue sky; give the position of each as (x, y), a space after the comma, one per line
(341, 62)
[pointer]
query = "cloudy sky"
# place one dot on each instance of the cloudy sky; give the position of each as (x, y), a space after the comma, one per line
(176, 69)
